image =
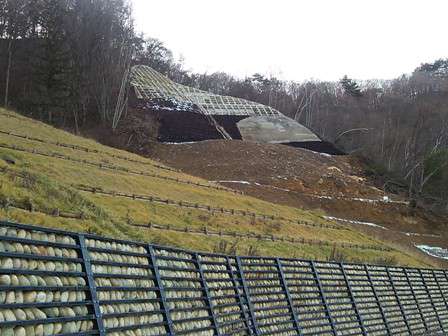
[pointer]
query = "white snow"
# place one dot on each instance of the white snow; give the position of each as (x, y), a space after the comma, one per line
(365, 200)
(409, 234)
(239, 182)
(255, 183)
(180, 143)
(325, 154)
(323, 197)
(385, 199)
(434, 251)
(355, 222)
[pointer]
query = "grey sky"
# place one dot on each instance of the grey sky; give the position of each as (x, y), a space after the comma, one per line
(299, 39)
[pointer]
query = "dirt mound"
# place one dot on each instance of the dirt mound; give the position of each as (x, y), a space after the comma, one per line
(338, 185)
(273, 165)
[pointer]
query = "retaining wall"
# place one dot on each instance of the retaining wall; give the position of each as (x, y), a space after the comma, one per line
(55, 282)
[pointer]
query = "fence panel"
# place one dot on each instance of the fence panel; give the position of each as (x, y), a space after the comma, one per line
(338, 298)
(186, 295)
(43, 284)
(269, 301)
(306, 296)
(440, 301)
(226, 295)
(389, 300)
(57, 282)
(125, 285)
(427, 300)
(365, 298)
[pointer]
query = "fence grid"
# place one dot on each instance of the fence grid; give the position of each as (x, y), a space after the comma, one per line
(91, 283)
(63, 283)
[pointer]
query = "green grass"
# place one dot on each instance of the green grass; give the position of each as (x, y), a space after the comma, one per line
(46, 182)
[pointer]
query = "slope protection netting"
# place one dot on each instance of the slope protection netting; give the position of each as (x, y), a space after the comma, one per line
(61, 283)
(159, 92)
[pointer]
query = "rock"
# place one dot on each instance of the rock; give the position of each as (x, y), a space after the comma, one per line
(68, 312)
(7, 263)
(19, 248)
(5, 280)
(58, 252)
(49, 297)
(2, 297)
(17, 263)
(29, 296)
(41, 265)
(19, 297)
(14, 280)
(30, 315)
(64, 296)
(34, 249)
(23, 280)
(20, 314)
(39, 314)
(57, 328)
(50, 266)
(21, 234)
(41, 281)
(9, 315)
(48, 329)
(51, 281)
(10, 297)
(39, 330)
(41, 297)
(32, 264)
(69, 328)
(33, 280)
(27, 250)
(29, 330)
(52, 312)
(7, 331)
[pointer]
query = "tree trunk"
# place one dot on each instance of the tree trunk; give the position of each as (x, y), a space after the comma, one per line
(8, 72)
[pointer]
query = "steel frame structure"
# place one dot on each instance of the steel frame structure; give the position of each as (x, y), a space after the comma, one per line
(195, 293)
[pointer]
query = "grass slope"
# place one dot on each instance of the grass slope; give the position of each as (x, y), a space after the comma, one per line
(48, 182)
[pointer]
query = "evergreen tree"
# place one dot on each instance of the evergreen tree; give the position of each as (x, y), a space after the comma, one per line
(350, 87)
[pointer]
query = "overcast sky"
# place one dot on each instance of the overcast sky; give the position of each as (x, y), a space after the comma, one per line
(299, 39)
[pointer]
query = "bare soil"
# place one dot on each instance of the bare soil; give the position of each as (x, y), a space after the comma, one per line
(290, 176)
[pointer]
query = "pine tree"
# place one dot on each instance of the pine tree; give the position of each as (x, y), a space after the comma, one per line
(350, 87)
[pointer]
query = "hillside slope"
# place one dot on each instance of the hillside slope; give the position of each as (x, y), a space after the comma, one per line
(53, 178)
(338, 186)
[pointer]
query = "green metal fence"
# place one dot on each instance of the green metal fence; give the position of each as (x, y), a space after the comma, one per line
(61, 283)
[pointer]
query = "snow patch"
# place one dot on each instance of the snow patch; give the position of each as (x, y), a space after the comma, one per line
(325, 154)
(434, 251)
(366, 200)
(409, 234)
(355, 222)
(254, 183)
(238, 182)
(180, 143)
(384, 199)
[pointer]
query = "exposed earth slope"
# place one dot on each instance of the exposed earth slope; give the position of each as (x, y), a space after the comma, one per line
(336, 186)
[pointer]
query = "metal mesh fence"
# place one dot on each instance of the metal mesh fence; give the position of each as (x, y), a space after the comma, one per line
(154, 87)
(60, 283)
